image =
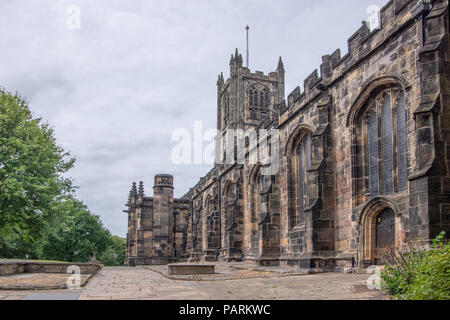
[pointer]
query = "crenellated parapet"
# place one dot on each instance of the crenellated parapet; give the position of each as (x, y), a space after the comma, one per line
(395, 17)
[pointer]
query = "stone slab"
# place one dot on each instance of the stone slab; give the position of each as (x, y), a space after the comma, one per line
(190, 269)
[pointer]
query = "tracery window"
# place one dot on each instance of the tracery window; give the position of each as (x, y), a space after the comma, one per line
(300, 163)
(381, 166)
(259, 102)
(255, 207)
(226, 109)
(253, 98)
(230, 204)
(303, 165)
(264, 99)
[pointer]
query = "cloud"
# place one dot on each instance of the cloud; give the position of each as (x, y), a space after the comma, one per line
(136, 70)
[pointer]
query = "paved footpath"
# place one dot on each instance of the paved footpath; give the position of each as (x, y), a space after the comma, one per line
(141, 283)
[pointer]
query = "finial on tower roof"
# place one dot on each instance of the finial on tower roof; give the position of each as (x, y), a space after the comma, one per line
(236, 59)
(220, 80)
(141, 189)
(280, 65)
(133, 189)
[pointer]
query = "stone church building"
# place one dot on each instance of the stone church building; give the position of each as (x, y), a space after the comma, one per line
(363, 154)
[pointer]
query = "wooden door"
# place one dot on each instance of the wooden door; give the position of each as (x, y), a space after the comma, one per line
(385, 229)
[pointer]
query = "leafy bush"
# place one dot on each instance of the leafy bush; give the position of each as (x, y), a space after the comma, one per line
(422, 273)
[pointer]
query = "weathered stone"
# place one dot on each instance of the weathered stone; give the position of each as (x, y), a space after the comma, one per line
(370, 133)
(190, 269)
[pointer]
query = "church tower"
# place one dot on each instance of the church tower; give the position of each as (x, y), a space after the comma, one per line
(248, 100)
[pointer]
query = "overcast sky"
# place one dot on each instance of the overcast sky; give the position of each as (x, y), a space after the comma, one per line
(115, 89)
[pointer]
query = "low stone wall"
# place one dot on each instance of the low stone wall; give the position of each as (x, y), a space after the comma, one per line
(41, 281)
(8, 268)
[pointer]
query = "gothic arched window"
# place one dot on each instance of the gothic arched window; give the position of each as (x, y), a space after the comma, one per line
(253, 103)
(255, 207)
(303, 164)
(253, 98)
(230, 203)
(381, 166)
(259, 102)
(299, 157)
(264, 101)
(226, 108)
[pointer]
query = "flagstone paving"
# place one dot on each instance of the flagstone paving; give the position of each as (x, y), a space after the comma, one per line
(36, 281)
(117, 283)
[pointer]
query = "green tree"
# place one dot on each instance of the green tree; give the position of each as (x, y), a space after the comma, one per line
(74, 235)
(39, 214)
(114, 255)
(31, 175)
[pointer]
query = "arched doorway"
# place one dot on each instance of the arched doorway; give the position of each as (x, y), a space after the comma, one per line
(378, 221)
(385, 229)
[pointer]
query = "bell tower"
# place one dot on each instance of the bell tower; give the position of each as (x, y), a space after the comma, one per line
(248, 100)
